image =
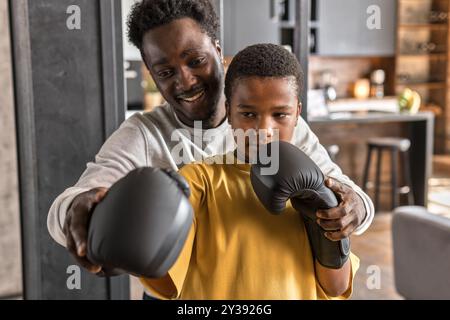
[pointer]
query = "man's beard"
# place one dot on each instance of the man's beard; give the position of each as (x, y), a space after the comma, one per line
(209, 121)
(211, 117)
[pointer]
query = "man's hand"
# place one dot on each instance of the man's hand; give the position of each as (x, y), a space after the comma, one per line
(341, 221)
(76, 226)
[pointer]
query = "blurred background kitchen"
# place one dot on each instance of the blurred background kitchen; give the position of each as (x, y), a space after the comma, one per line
(377, 98)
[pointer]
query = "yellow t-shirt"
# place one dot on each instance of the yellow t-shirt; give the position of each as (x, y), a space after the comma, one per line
(236, 249)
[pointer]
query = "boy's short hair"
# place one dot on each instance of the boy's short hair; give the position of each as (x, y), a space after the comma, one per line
(149, 14)
(263, 60)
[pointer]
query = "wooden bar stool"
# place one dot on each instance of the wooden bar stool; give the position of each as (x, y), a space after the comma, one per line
(394, 146)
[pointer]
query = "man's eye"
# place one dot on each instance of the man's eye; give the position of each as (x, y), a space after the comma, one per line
(164, 74)
(197, 61)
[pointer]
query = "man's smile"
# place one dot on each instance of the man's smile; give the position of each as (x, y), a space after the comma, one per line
(192, 97)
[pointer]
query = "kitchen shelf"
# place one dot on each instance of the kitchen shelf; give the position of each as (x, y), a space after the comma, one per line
(437, 26)
(435, 109)
(424, 55)
(416, 32)
(429, 85)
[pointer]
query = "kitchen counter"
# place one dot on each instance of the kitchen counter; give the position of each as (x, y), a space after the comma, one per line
(351, 130)
(362, 117)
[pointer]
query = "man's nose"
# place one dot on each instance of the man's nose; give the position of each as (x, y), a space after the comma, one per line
(185, 80)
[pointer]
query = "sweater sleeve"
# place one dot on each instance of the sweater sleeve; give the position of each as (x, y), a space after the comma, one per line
(124, 151)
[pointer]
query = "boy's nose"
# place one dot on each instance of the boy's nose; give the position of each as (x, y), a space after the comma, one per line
(265, 131)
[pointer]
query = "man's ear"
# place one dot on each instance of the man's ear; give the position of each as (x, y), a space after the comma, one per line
(219, 50)
(144, 59)
(150, 71)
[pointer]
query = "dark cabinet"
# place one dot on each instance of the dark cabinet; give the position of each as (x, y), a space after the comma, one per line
(354, 27)
(247, 22)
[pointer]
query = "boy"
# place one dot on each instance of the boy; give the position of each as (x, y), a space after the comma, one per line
(236, 249)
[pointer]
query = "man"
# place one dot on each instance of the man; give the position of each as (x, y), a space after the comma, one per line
(177, 40)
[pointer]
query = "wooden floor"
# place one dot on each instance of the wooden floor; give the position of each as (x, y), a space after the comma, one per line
(374, 247)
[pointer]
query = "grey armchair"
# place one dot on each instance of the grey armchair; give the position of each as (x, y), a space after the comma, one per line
(421, 242)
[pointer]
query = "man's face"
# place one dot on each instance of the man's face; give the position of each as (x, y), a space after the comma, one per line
(187, 69)
(265, 106)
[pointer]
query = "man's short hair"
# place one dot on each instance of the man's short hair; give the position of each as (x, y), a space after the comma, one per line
(149, 14)
(263, 60)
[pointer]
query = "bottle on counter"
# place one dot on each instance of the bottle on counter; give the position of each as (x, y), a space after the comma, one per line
(327, 82)
(377, 79)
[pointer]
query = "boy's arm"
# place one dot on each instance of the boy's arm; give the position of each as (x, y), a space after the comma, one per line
(335, 282)
(171, 285)
(164, 286)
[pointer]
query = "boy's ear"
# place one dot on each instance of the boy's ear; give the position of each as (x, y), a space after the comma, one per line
(299, 110)
(227, 108)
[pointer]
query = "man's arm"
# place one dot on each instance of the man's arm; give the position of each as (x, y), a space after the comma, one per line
(69, 214)
(358, 208)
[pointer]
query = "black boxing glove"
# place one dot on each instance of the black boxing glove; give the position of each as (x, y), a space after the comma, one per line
(141, 225)
(299, 179)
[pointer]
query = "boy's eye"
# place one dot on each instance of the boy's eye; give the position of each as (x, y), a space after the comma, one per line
(281, 115)
(248, 114)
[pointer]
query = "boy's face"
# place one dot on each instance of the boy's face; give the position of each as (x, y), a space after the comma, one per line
(268, 106)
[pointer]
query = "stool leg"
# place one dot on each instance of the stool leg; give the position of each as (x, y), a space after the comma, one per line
(407, 178)
(366, 169)
(377, 181)
(394, 166)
